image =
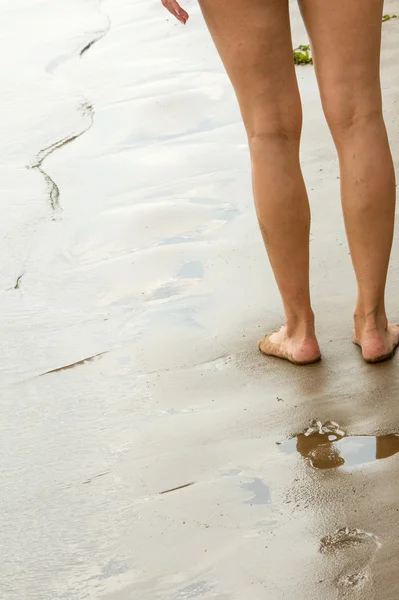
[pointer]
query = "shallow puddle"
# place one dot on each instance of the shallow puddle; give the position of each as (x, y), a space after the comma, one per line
(329, 451)
(260, 491)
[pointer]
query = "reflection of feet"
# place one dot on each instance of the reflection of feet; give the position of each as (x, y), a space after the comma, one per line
(298, 350)
(377, 344)
(320, 450)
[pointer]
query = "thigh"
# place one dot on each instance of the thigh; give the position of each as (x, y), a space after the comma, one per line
(253, 38)
(346, 41)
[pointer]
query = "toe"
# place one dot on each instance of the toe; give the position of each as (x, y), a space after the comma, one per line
(265, 343)
(266, 346)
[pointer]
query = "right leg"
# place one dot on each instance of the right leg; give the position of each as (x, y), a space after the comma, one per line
(346, 40)
(254, 41)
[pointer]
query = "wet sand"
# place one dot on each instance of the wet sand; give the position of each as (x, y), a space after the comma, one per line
(145, 442)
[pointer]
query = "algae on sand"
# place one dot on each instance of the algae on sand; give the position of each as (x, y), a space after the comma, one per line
(302, 55)
(388, 17)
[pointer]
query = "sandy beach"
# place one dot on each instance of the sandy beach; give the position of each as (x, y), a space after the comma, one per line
(149, 451)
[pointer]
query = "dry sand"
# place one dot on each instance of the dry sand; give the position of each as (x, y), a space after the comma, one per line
(133, 240)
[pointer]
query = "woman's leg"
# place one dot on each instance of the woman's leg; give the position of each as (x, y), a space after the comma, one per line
(346, 39)
(254, 41)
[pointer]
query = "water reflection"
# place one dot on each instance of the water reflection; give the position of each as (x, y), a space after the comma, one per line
(329, 451)
(192, 270)
(260, 491)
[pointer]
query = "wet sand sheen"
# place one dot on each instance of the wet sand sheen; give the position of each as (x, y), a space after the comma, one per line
(143, 464)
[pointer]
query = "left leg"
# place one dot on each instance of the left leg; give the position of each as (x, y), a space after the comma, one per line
(253, 38)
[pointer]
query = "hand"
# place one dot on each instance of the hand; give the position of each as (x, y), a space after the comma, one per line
(176, 10)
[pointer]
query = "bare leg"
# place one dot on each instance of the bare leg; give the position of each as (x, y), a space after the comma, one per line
(346, 39)
(254, 41)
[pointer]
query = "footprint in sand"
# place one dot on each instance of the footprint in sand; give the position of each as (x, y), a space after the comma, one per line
(357, 549)
(346, 538)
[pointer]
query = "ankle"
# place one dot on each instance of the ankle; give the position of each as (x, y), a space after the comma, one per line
(370, 320)
(301, 325)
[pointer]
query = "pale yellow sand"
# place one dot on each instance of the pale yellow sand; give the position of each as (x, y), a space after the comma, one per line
(145, 277)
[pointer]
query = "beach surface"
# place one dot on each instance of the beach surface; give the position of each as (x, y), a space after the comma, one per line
(149, 451)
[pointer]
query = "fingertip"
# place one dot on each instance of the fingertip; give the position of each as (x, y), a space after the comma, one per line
(183, 16)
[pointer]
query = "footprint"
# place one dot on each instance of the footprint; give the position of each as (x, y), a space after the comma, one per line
(329, 427)
(357, 550)
(357, 581)
(345, 538)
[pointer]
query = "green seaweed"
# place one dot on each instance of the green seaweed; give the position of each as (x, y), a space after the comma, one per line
(302, 55)
(389, 17)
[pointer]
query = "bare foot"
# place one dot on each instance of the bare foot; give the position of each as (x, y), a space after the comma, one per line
(297, 349)
(377, 344)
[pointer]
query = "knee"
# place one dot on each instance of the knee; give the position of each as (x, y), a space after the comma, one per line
(348, 114)
(266, 131)
(348, 120)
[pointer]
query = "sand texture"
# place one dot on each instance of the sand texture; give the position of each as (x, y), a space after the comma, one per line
(144, 441)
